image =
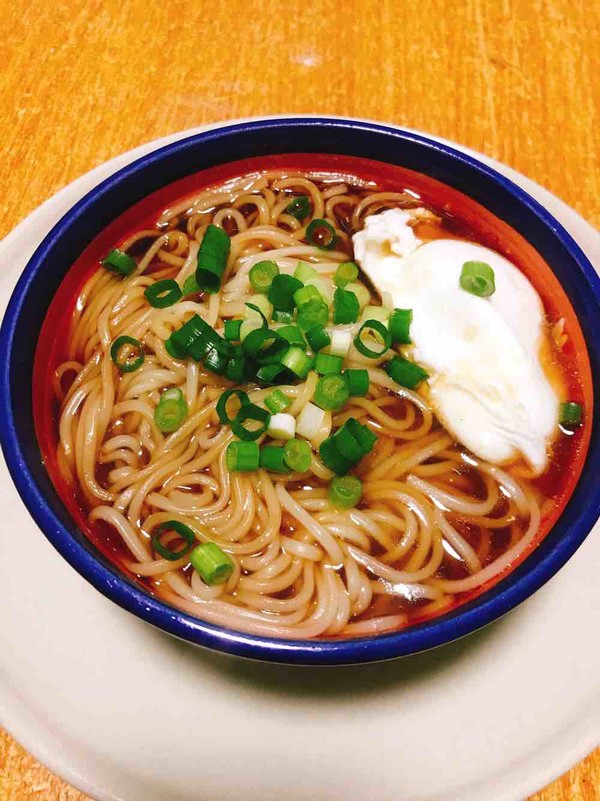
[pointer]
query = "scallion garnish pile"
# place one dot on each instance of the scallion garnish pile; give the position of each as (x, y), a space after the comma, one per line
(292, 325)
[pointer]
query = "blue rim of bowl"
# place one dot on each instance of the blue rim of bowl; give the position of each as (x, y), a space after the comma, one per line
(535, 571)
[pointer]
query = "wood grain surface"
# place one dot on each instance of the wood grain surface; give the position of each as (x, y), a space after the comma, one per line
(83, 81)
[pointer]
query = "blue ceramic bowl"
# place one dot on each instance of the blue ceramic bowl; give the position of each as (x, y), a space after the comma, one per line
(99, 207)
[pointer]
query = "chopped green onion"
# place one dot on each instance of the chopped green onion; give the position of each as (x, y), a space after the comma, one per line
(282, 426)
(362, 434)
(346, 273)
(162, 294)
(238, 369)
(406, 373)
(271, 458)
(361, 292)
(277, 402)
(380, 313)
(281, 292)
(321, 234)
(570, 414)
(326, 363)
(184, 532)
(313, 313)
(258, 308)
(205, 342)
(348, 445)
(293, 335)
(119, 262)
(190, 286)
(171, 410)
(345, 307)
(332, 458)
(178, 343)
(280, 316)
(297, 361)
(223, 400)
(250, 413)
(297, 455)
(262, 274)
(304, 272)
(345, 491)
(231, 330)
(341, 339)
(265, 345)
(248, 326)
(299, 207)
(274, 374)
(477, 277)
(306, 294)
(310, 421)
(399, 325)
(379, 332)
(211, 563)
(242, 457)
(127, 363)
(318, 338)
(212, 259)
(325, 287)
(331, 392)
(358, 381)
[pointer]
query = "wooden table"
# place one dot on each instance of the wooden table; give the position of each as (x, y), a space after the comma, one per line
(83, 81)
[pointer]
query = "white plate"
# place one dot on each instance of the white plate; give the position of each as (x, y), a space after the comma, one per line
(123, 711)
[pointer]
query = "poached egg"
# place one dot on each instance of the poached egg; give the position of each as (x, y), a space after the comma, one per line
(486, 382)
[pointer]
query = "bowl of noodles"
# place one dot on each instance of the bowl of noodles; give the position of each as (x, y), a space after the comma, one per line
(311, 391)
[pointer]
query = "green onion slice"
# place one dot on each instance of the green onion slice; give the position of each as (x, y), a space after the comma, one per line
(345, 491)
(190, 286)
(362, 434)
(380, 331)
(254, 307)
(325, 363)
(477, 277)
(304, 272)
(315, 312)
(299, 207)
(406, 373)
(178, 343)
(249, 414)
(271, 458)
(211, 563)
(345, 307)
(570, 414)
(297, 361)
(274, 374)
(262, 274)
(212, 259)
(358, 381)
(331, 392)
(184, 532)
(293, 335)
(162, 294)
(231, 330)
(266, 346)
(281, 292)
(223, 401)
(280, 316)
(242, 457)
(171, 410)
(297, 455)
(399, 325)
(318, 338)
(127, 362)
(346, 273)
(321, 234)
(119, 262)
(332, 458)
(277, 402)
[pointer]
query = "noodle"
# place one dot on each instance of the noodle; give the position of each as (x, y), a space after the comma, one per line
(430, 516)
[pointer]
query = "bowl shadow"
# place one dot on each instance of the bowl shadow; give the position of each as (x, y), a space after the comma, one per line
(330, 682)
